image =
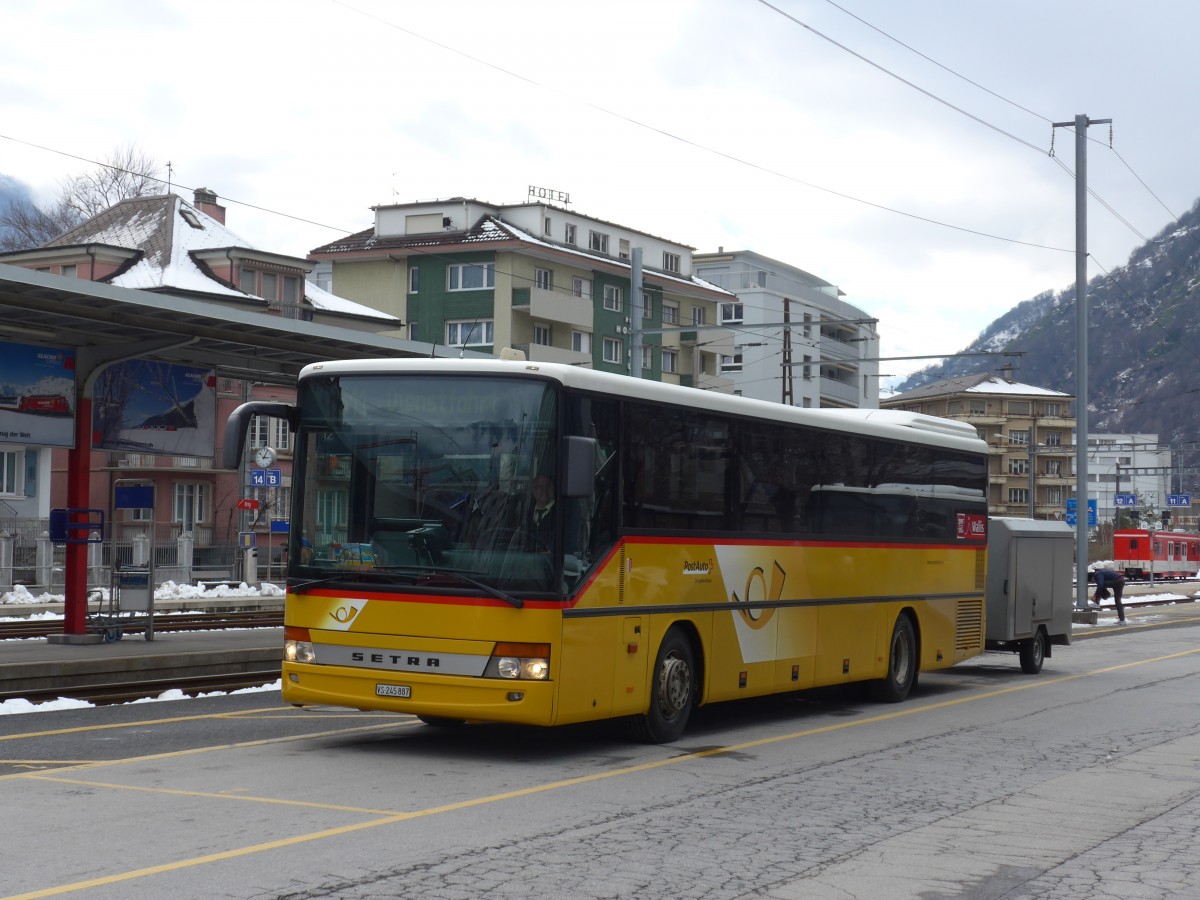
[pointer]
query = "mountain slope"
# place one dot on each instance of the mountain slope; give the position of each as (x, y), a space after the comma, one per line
(1143, 340)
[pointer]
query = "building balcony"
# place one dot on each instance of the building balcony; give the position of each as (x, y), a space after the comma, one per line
(545, 353)
(840, 392)
(154, 461)
(552, 306)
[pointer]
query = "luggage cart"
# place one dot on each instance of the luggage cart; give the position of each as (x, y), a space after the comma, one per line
(130, 604)
(130, 601)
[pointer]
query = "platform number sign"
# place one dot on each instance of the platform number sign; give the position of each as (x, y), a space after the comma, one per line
(266, 477)
(1179, 499)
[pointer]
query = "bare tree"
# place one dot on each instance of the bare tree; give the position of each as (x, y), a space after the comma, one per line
(126, 172)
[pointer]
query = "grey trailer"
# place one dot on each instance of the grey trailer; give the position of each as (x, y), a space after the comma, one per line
(1030, 587)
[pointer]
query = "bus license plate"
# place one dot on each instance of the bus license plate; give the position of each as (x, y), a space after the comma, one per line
(393, 690)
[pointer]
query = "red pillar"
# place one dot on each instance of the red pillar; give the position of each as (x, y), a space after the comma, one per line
(79, 470)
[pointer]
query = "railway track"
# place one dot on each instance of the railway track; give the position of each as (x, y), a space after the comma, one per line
(39, 628)
(127, 691)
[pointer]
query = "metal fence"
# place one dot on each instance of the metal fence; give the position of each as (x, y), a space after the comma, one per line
(29, 558)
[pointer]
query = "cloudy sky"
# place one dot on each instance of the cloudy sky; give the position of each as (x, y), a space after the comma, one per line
(802, 129)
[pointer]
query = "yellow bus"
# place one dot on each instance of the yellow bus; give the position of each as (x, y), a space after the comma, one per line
(505, 541)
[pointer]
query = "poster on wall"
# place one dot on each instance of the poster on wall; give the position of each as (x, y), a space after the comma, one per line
(141, 406)
(37, 395)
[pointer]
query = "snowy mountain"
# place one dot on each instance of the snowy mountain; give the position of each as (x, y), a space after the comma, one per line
(1143, 340)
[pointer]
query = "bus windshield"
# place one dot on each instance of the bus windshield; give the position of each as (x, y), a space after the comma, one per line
(444, 481)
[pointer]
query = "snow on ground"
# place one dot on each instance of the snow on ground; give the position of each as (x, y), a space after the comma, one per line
(168, 590)
(17, 707)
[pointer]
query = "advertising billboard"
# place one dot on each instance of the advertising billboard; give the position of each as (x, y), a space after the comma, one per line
(141, 406)
(37, 395)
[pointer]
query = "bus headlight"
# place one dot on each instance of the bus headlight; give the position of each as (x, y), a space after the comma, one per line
(524, 662)
(299, 651)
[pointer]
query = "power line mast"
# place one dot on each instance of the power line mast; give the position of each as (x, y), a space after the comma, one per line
(1080, 125)
(789, 391)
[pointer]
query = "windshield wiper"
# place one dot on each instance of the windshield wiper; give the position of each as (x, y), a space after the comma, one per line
(459, 575)
(347, 575)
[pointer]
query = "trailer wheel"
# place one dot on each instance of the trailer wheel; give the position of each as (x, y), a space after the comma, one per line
(902, 664)
(673, 692)
(1033, 653)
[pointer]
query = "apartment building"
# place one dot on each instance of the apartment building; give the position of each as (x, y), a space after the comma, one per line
(1029, 432)
(537, 277)
(796, 341)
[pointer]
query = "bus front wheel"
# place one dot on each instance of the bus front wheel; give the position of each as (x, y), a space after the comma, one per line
(902, 664)
(672, 691)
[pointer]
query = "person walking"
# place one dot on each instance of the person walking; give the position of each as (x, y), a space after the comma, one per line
(1110, 581)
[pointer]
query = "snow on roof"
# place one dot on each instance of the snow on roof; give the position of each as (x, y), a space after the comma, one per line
(995, 385)
(323, 300)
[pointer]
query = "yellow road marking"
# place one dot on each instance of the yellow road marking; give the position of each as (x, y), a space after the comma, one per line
(564, 783)
(140, 723)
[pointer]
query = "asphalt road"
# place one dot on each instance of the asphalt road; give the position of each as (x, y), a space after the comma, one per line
(1079, 782)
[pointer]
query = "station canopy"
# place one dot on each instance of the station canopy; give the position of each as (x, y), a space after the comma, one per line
(39, 308)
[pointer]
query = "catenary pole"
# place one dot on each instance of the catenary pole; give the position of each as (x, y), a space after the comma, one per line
(1081, 124)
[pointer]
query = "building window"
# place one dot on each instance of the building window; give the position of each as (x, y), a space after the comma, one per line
(269, 286)
(281, 434)
(612, 297)
(1018, 437)
(670, 261)
(248, 281)
(1018, 495)
(670, 361)
(978, 407)
(476, 333)
(598, 241)
(546, 226)
(581, 341)
(541, 334)
(1053, 466)
(1019, 407)
(1018, 467)
(731, 363)
(569, 233)
(10, 473)
(698, 315)
(614, 350)
(413, 331)
(808, 319)
(1054, 496)
(68, 271)
(260, 431)
(191, 504)
(647, 305)
(670, 313)
(624, 249)
(1053, 438)
(1053, 410)
(647, 357)
(471, 277)
(731, 313)
(544, 279)
(806, 369)
(581, 287)
(414, 279)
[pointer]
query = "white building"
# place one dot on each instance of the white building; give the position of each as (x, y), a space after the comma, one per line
(827, 356)
(1128, 464)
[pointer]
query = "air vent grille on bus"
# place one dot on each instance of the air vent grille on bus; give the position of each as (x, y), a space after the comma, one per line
(621, 577)
(968, 633)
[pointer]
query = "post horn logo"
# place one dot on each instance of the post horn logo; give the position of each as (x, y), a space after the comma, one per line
(758, 616)
(344, 614)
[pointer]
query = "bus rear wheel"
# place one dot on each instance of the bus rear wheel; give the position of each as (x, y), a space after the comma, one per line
(673, 691)
(902, 664)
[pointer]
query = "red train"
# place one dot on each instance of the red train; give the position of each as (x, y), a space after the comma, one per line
(44, 404)
(1163, 554)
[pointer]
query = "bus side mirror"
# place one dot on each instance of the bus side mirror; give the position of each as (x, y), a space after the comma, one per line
(580, 454)
(238, 424)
